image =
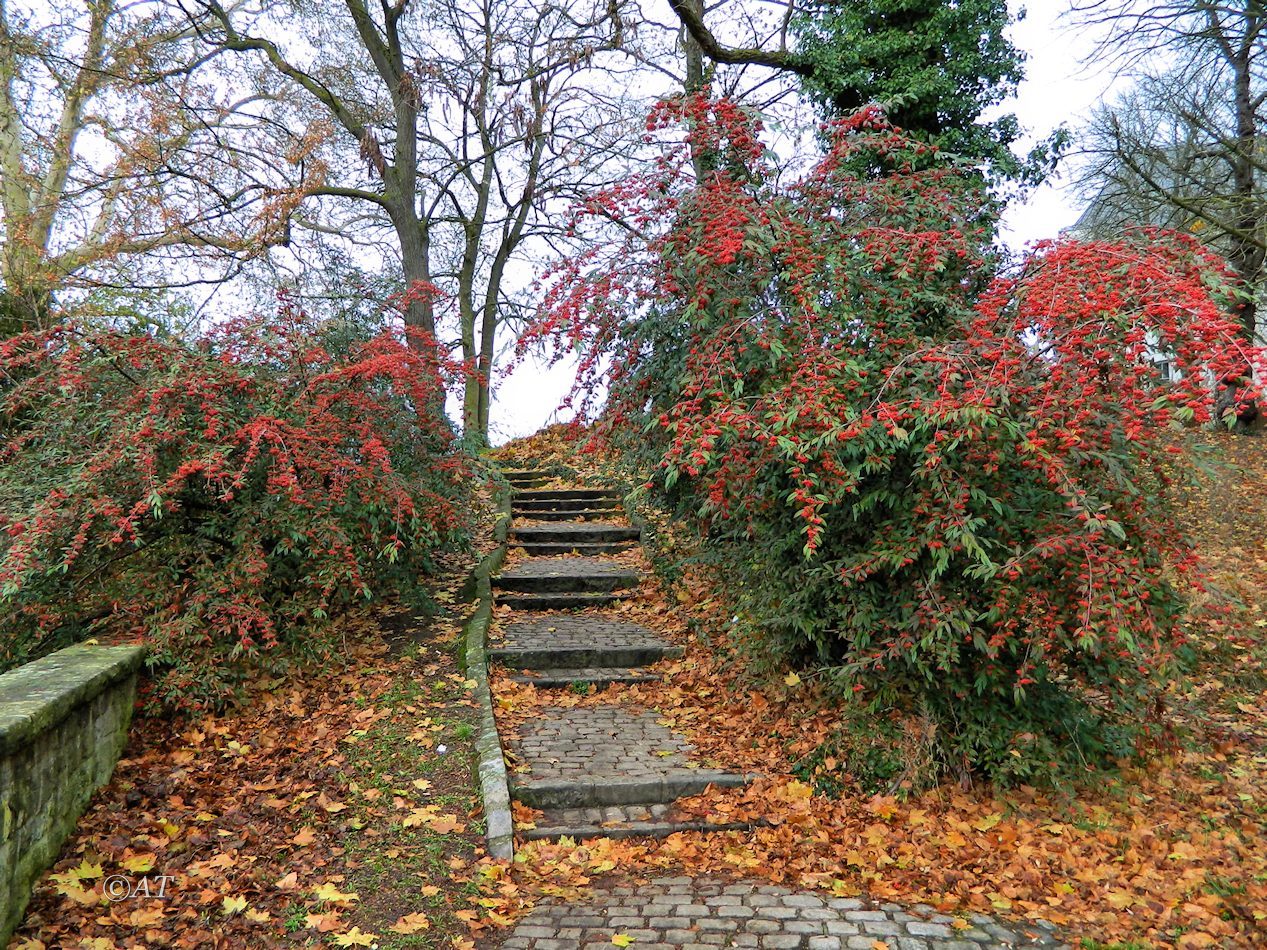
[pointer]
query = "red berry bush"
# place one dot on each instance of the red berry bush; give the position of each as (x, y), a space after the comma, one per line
(223, 499)
(935, 480)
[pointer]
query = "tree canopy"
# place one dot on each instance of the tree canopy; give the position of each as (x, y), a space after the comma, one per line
(936, 66)
(1183, 147)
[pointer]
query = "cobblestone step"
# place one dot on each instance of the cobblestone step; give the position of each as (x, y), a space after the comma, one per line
(576, 514)
(566, 642)
(561, 601)
(597, 676)
(566, 575)
(622, 790)
(615, 821)
(573, 531)
(702, 913)
(538, 548)
(605, 495)
(606, 755)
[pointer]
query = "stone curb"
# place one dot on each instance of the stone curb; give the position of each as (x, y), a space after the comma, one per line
(597, 677)
(490, 762)
(568, 494)
(580, 514)
(545, 549)
(516, 583)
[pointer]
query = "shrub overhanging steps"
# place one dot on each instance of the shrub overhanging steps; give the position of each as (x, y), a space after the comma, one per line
(604, 771)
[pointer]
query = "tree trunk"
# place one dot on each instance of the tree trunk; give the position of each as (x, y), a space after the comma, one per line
(1246, 257)
(27, 299)
(696, 79)
(488, 341)
(415, 258)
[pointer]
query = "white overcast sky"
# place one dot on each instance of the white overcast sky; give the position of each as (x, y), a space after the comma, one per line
(1060, 87)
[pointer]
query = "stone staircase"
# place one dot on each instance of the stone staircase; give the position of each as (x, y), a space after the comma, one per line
(605, 771)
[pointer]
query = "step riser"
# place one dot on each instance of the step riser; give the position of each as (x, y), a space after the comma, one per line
(582, 659)
(595, 685)
(527, 602)
(619, 791)
(564, 534)
(597, 584)
(611, 547)
(556, 494)
(648, 829)
(589, 514)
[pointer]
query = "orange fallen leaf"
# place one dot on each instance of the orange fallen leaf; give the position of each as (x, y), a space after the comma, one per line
(411, 924)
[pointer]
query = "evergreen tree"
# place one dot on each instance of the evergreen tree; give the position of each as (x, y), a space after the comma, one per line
(935, 65)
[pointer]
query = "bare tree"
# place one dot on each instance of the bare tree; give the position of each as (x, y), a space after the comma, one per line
(466, 126)
(525, 116)
(376, 106)
(1185, 147)
(116, 143)
(463, 133)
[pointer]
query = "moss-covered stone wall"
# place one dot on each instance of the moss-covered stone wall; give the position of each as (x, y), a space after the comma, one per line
(63, 724)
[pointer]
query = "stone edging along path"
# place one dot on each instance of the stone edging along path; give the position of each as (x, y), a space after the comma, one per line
(490, 762)
(614, 771)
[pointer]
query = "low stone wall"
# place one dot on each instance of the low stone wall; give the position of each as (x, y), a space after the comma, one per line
(63, 724)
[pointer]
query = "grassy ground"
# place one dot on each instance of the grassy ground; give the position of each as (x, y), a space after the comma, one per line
(413, 869)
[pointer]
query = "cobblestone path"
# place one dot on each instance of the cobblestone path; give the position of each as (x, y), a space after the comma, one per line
(700, 914)
(613, 771)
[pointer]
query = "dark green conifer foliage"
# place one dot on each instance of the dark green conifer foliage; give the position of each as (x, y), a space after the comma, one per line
(935, 65)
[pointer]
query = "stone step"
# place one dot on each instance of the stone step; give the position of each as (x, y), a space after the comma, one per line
(567, 642)
(587, 791)
(562, 504)
(617, 821)
(565, 494)
(580, 514)
(596, 676)
(585, 757)
(516, 601)
(573, 531)
(556, 575)
(527, 483)
(566, 583)
(573, 547)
